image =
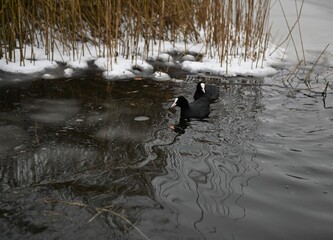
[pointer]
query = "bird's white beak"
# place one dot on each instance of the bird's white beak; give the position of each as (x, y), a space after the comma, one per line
(174, 103)
(203, 87)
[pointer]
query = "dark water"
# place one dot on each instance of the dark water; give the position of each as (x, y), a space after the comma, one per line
(72, 156)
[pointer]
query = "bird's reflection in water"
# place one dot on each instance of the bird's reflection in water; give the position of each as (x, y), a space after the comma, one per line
(183, 124)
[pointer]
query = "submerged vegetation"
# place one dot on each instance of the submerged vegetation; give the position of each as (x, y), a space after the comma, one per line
(133, 28)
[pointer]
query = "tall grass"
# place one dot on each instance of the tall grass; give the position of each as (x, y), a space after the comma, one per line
(116, 27)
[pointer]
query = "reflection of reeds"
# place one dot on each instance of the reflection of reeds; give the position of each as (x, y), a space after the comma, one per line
(116, 27)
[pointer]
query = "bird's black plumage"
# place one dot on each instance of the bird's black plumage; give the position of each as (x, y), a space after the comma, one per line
(198, 109)
(210, 91)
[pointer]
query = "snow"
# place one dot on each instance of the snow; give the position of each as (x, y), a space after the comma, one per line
(160, 76)
(144, 66)
(68, 72)
(122, 68)
(77, 64)
(27, 66)
(163, 57)
(118, 74)
(188, 57)
(315, 34)
(235, 67)
(119, 70)
(48, 76)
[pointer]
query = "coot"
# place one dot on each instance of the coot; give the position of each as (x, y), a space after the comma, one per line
(197, 109)
(209, 91)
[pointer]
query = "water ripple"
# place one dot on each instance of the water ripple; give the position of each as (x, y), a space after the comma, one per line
(209, 166)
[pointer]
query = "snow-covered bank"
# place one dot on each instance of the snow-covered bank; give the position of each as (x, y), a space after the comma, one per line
(315, 22)
(121, 68)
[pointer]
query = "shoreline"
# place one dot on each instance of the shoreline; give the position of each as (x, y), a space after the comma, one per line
(126, 69)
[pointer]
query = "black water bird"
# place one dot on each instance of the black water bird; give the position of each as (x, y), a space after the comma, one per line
(210, 91)
(198, 109)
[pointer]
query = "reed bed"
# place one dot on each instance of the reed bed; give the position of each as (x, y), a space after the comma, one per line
(228, 28)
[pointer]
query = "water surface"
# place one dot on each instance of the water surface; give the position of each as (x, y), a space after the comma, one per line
(259, 168)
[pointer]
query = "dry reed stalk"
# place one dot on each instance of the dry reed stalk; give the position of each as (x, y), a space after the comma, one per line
(307, 77)
(299, 30)
(248, 27)
(161, 26)
(291, 35)
(292, 72)
(229, 32)
(19, 12)
(285, 50)
(117, 27)
(290, 30)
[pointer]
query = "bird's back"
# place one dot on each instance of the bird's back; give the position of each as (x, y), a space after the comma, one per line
(198, 109)
(212, 92)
